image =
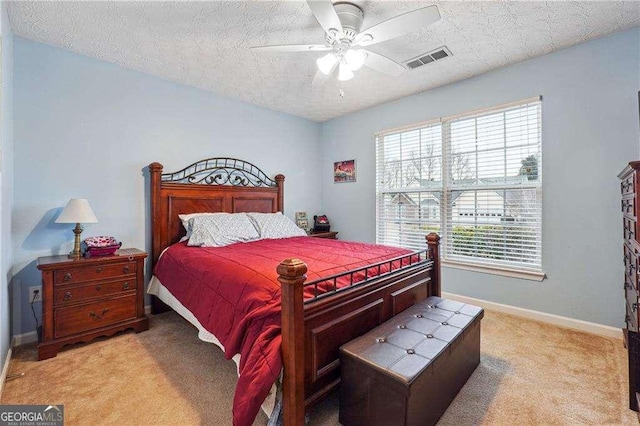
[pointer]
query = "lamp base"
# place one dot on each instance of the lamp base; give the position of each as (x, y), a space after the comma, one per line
(76, 253)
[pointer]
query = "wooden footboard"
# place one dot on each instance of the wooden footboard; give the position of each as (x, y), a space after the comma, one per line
(312, 332)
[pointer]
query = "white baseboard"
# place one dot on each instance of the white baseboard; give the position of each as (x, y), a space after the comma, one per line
(147, 309)
(5, 371)
(576, 324)
(24, 338)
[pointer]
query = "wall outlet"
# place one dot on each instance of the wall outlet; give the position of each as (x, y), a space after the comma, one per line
(32, 291)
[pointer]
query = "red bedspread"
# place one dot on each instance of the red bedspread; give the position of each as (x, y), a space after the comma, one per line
(234, 293)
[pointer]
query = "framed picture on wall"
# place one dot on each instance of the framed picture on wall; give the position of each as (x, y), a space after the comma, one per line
(344, 171)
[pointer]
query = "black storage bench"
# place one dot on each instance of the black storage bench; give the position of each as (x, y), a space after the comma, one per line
(409, 369)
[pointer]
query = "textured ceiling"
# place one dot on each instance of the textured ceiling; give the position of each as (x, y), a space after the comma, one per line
(206, 44)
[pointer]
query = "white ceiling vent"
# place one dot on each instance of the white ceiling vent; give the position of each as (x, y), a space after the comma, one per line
(425, 58)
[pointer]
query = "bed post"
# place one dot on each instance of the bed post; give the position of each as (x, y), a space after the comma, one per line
(155, 172)
(433, 242)
(280, 183)
(292, 276)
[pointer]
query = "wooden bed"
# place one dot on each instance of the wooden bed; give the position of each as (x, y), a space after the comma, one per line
(312, 330)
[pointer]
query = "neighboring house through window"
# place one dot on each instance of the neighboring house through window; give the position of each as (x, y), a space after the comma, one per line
(475, 179)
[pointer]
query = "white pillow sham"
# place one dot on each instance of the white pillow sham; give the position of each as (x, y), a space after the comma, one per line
(221, 229)
(186, 222)
(275, 225)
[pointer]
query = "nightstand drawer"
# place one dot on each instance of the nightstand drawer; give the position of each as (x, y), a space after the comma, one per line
(94, 272)
(67, 294)
(76, 319)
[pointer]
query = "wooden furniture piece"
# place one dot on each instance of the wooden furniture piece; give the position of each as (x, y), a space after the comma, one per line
(332, 235)
(312, 330)
(630, 189)
(89, 297)
(408, 370)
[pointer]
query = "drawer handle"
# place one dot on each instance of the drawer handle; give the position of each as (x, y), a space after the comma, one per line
(126, 269)
(67, 276)
(125, 286)
(98, 316)
(98, 270)
(98, 287)
(67, 295)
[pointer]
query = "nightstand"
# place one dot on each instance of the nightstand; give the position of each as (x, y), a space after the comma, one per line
(90, 297)
(333, 235)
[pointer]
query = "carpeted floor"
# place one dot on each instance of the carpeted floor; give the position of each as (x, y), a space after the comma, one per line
(530, 373)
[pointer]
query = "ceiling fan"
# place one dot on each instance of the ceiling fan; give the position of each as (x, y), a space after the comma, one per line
(342, 24)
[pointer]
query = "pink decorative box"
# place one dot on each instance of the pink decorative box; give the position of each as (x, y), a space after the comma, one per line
(101, 246)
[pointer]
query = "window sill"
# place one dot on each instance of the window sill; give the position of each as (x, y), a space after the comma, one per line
(485, 269)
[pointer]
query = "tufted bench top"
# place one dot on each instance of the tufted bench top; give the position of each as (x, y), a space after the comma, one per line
(408, 343)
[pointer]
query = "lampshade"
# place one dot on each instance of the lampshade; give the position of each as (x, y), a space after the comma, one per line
(344, 72)
(77, 210)
(327, 62)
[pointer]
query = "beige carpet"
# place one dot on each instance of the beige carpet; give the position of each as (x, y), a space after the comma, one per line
(530, 373)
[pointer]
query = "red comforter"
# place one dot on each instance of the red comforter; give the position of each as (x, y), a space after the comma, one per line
(234, 293)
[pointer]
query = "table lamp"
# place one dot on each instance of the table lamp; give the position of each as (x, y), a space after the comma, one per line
(77, 211)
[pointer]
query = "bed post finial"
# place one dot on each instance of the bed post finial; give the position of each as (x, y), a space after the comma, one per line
(292, 274)
(433, 242)
(155, 167)
(280, 183)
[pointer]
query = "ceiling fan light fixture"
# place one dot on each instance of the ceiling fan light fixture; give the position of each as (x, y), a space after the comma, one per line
(344, 72)
(327, 63)
(355, 58)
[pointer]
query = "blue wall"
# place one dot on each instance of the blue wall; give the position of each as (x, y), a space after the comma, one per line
(6, 181)
(589, 132)
(86, 128)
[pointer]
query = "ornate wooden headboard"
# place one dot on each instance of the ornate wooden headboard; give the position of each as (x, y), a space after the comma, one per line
(210, 185)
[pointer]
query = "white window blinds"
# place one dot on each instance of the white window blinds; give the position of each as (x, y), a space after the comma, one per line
(473, 178)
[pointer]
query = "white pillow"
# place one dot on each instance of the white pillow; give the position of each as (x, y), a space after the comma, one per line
(275, 225)
(186, 218)
(221, 229)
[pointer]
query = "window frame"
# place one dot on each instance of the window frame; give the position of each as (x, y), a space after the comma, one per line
(447, 186)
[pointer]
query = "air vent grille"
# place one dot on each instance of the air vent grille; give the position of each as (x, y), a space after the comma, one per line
(426, 58)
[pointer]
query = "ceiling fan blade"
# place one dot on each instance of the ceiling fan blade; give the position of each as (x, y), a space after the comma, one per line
(400, 25)
(320, 78)
(293, 48)
(383, 64)
(326, 15)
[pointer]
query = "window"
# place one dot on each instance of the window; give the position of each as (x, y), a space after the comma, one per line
(474, 178)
